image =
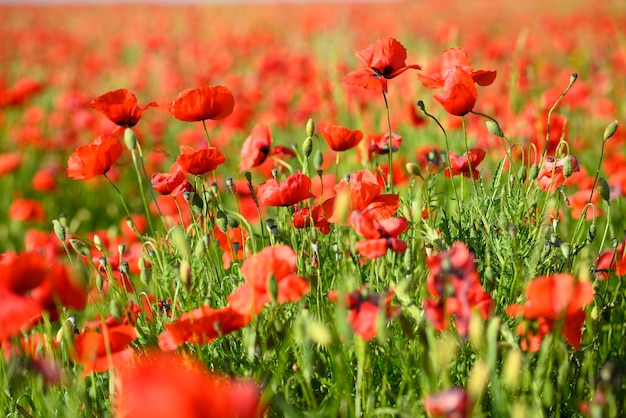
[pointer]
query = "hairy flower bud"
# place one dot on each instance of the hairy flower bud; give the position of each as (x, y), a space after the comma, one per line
(603, 189)
(310, 127)
(610, 130)
(494, 128)
(130, 139)
(307, 146)
(58, 229)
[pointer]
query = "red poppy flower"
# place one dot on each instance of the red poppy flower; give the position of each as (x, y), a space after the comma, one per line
(255, 148)
(363, 193)
(364, 309)
(382, 61)
(302, 218)
(165, 385)
(447, 404)
(201, 326)
(121, 107)
(195, 105)
(97, 352)
(9, 162)
(456, 290)
(172, 183)
(339, 138)
(232, 243)
(294, 189)
(551, 177)
(381, 235)
(461, 165)
(20, 273)
(550, 299)
(607, 261)
(21, 91)
(94, 159)
(59, 288)
(457, 79)
(45, 179)
(268, 274)
(16, 312)
(26, 210)
(201, 161)
(378, 144)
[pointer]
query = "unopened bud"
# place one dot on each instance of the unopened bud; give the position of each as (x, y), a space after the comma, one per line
(124, 268)
(97, 242)
(591, 233)
(222, 220)
(533, 173)
(573, 78)
(80, 247)
(121, 248)
(307, 146)
(274, 173)
(610, 130)
(130, 138)
(568, 167)
(58, 229)
(413, 169)
(494, 128)
(420, 104)
(318, 160)
(603, 189)
(566, 250)
(310, 127)
(521, 174)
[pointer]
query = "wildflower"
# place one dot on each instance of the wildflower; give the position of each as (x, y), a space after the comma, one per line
(460, 164)
(269, 275)
(339, 138)
(288, 192)
(172, 183)
(365, 307)
(612, 260)
(551, 176)
(121, 107)
(382, 61)
(99, 351)
(302, 218)
(451, 403)
(26, 210)
(378, 144)
(255, 148)
(232, 242)
(201, 326)
(89, 161)
(164, 385)
(551, 300)
(457, 79)
(199, 161)
(9, 162)
(380, 235)
(455, 289)
(195, 105)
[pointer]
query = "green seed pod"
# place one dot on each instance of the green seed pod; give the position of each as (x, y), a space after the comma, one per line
(124, 268)
(603, 189)
(494, 128)
(533, 173)
(80, 247)
(307, 146)
(58, 229)
(610, 130)
(222, 220)
(413, 169)
(63, 220)
(130, 138)
(318, 160)
(310, 127)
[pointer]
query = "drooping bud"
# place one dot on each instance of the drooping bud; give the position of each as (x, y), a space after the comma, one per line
(521, 174)
(307, 146)
(97, 242)
(310, 127)
(603, 189)
(58, 229)
(420, 104)
(222, 220)
(533, 173)
(318, 160)
(494, 128)
(610, 130)
(414, 170)
(568, 167)
(130, 138)
(566, 250)
(124, 268)
(80, 247)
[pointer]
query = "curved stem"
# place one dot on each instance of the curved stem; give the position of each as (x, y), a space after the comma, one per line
(389, 145)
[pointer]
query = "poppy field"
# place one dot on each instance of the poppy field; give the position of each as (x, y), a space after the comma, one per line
(313, 210)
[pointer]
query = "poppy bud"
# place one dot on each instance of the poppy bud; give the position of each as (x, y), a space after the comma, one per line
(408, 260)
(610, 130)
(184, 273)
(533, 173)
(97, 242)
(58, 229)
(230, 184)
(420, 104)
(130, 138)
(103, 262)
(568, 167)
(573, 78)
(310, 127)
(521, 174)
(414, 170)
(80, 247)
(63, 220)
(494, 128)
(124, 268)
(566, 250)
(591, 233)
(603, 189)
(121, 248)
(222, 220)
(318, 160)
(307, 147)
(115, 310)
(66, 332)
(274, 173)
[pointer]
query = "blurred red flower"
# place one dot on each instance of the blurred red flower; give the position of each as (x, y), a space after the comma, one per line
(255, 148)
(9, 161)
(26, 210)
(381, 61)
(294, 189)
(451, 403)
(461, 165)
(99, 351)
(165, 385)
(91, 160)
(232, 243)
(380, 234)
(557, 298)
(365, 307)
(195, 105)
(339, 138)
(269, 275)
(201, 326)
(201, 161)
(121, 107)
(457, 79)
(455, 289)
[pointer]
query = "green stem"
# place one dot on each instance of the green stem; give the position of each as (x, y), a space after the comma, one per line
(573, 78)
(121, 198)
(389, 145)
(206, 132)
(140, 180)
